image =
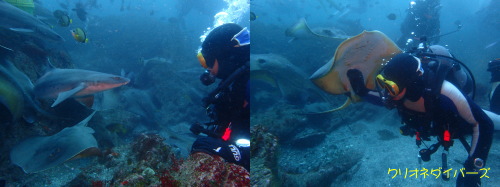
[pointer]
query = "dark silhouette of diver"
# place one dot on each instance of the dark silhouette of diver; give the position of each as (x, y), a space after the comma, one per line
(225, 53)
(422, 20)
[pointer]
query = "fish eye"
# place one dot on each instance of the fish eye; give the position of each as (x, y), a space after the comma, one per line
(261, 61)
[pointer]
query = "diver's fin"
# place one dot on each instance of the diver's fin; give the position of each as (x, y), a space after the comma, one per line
(67, 94)
(346, 104)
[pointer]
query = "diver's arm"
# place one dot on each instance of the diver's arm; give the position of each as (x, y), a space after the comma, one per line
(495, 98)
(481, 124)
(373, 97)
(482, 135)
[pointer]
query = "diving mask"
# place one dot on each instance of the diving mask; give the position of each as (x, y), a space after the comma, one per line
(202, 60)
(242, 37)
(390, 86)
(394, 89)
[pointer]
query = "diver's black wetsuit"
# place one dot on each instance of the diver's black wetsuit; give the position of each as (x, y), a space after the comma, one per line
(494, 68)
(229, 108)
(456, 113)
(495, 99)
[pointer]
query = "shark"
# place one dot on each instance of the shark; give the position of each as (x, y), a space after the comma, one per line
(61, 84)
(19, 21)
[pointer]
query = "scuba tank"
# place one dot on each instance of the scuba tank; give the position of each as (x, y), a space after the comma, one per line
(443, 66)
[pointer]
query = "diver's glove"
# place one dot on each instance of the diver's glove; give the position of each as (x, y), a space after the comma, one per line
(357, 82)
(196, 128)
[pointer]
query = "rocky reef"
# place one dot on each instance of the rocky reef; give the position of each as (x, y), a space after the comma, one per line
(264, 151)
(148, 161)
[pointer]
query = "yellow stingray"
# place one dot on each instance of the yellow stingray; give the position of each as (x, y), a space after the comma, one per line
(367, 52)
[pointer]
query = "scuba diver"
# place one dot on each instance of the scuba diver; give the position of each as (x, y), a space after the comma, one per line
(431, 95)
(494, 68)
(422, 19)
(225, 54)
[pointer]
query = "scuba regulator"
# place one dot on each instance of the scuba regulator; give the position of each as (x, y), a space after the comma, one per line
(206, 78)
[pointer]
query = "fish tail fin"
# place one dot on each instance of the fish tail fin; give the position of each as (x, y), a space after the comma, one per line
(345, 105)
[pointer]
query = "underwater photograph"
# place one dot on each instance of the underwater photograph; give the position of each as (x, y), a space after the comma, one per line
(375, 93)
(124, 93)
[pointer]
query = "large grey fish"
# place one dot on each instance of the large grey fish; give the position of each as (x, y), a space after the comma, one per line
(290, 80)
(61, 84)
(14, 19)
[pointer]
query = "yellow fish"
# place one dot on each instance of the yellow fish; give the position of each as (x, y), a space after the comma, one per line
(65, 21)
(79, 35)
